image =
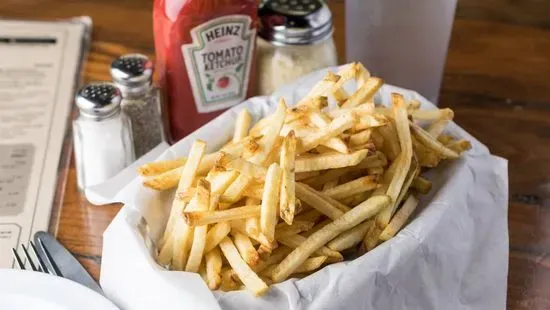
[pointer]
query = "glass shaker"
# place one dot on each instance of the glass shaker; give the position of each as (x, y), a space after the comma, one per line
(102, 135)
(295, 38)
(133, 74)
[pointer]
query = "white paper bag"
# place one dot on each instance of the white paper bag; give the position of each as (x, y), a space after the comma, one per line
(453, 255)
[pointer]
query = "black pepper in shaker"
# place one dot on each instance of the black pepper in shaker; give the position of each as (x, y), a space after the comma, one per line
(133, 74)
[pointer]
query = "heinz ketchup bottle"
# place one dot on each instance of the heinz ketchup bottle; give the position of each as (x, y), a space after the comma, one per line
(205, 53)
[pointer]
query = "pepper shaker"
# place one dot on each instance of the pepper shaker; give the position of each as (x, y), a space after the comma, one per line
(133, 74)
(102, 134)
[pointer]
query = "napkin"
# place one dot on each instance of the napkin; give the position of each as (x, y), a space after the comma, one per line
(452, 255)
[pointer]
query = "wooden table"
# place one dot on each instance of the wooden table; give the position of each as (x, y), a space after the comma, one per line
(497, 79)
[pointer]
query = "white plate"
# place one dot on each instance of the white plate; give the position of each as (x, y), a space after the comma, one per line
(26, 290)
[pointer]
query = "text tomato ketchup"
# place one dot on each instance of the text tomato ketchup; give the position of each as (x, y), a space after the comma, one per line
(205, 53)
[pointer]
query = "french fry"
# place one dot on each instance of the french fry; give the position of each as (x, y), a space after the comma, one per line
(305, 175)
(311, 264)
(244, 167)
(236, 190)
(399, 218)
(411, 175)
(426, 157)
(199, 236)
(321, 121)
(404, 159)
(312, 198)
(165, 180)
(336, 127)
(283, 229)
(276, 257)
(202, 272)
(287, 206)
(295, 241)
(391, 146)
(228, 280)
(350, 238)
(245, 273)
(198, 218)
(375, 171)
(213, 268)
(436, 128)
(432, 143)
(309, 216)
(322, 89)
(159, 167)
(215, 235)
(271, 135)
(366, 92)
(219, 182)
(460, 146)
(362, 110)
(370, 161)
(316, 228)
(356, 199)
(170, 179)
(371, 239)
(270, 202)
(274, 155)
(422, 185)
(183, 240)
(445, 139)
(252, 224)
(347, 221)
(245, 248)
(342, 207)
(432, 115)
(240, 226)
(361, 137)
(329, 161)
(330, 184)
(351, 188)
(241, 125)
(189, 172)
(413, 105)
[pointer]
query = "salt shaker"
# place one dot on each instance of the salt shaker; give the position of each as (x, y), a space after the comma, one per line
(132, 74)
(102, 134)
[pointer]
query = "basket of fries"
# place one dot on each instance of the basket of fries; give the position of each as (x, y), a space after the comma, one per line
(338, 192)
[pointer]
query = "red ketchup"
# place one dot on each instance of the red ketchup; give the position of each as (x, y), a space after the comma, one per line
(205, 52)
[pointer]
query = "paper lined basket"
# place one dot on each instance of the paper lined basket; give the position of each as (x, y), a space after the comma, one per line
(454, 254)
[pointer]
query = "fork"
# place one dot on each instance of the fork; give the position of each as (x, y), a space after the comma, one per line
(36, 265)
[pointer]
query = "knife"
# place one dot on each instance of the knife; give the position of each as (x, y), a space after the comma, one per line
(62, 262)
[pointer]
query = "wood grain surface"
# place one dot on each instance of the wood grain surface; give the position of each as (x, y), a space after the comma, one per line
(497, 79)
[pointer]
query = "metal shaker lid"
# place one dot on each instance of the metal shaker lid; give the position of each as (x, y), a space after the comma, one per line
(295, 22)
(98, 100)
(132, 70)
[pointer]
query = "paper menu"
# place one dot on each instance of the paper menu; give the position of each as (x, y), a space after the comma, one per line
(39, 65)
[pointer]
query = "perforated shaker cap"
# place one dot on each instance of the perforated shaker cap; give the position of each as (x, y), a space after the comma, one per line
(132, 70)
(295, 22)
(98, 100)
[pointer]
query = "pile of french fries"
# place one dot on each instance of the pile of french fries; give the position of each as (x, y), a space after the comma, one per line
(302, 187)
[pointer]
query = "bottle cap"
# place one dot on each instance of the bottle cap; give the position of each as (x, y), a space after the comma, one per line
(132, 70)
(295, 22)
(98, 100)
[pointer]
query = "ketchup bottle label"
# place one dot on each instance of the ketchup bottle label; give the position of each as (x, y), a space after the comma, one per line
(218, 61)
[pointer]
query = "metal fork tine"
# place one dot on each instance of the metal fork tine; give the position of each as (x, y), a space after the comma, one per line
(29, 259)
(49, 260)
(18, 259)
(40, 261)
